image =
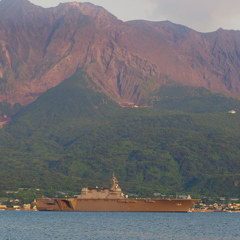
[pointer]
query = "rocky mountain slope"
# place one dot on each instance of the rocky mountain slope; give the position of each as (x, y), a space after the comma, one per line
(39, 48)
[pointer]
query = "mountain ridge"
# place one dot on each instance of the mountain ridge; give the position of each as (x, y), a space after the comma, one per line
(41, 47)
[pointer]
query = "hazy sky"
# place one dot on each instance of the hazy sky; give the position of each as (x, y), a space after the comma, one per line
(200, 15)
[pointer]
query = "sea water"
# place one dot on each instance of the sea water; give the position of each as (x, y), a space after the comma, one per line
(23, 225)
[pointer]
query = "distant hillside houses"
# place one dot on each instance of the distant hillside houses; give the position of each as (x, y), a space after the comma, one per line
(133, 105)
(232, 111)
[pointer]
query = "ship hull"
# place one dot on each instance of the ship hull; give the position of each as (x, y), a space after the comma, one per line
(115, 205)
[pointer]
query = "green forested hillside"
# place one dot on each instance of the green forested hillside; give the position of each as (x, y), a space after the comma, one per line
(193, 100)
(74, 136)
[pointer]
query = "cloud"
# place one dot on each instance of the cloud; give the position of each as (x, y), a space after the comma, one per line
(200, 15)
(123, 9)
(203, 15)
(127, 9)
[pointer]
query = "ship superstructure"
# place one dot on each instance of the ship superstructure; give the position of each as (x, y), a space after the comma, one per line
(93, 193)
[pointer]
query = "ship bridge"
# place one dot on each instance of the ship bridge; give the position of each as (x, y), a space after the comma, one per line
(93, 193)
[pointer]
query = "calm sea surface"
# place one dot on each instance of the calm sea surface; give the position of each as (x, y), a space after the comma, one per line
(16, 225)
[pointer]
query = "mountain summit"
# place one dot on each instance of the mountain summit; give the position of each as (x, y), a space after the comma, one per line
(39, 48)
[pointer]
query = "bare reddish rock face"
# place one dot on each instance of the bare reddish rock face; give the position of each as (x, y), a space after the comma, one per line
(39, 48)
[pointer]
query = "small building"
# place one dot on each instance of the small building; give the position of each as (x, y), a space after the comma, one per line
(26, 206)
(16, 207)
(3, 207)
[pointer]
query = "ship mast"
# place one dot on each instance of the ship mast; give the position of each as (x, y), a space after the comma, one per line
(115, 182)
